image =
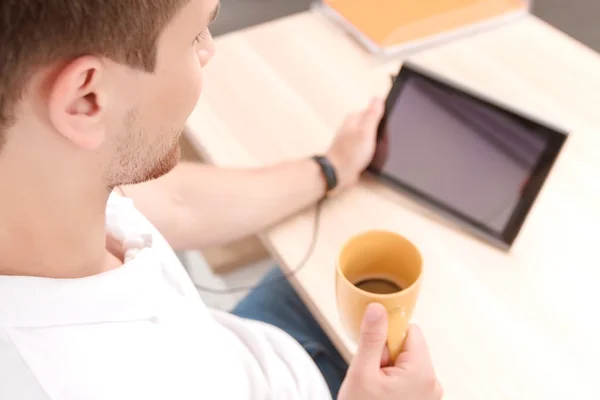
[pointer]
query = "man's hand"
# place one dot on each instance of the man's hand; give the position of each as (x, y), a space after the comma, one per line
(354, 144)
(411, 377)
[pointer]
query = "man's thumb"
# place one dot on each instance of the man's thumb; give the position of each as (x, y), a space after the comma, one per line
(373, 337)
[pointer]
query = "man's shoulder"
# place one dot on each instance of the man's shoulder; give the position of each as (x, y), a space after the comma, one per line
(17, 381)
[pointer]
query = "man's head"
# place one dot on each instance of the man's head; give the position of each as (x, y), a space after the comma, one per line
(99, 89)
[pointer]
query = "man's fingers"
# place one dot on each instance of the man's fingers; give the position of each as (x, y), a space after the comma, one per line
(354, 119)
(385, 357)
(415, 351)
(373, 338)
(372, 115)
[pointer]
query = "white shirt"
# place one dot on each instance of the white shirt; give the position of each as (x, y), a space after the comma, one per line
(140, 332)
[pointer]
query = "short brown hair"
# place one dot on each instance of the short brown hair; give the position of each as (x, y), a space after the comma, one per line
(36, 33)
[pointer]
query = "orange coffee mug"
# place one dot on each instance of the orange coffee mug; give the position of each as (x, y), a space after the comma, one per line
(379, 267)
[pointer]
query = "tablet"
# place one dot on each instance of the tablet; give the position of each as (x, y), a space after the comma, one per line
(476, 162)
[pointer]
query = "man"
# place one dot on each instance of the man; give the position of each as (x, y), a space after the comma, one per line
(93, 303)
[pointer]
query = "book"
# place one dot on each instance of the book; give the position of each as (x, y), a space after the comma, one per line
(393, 26)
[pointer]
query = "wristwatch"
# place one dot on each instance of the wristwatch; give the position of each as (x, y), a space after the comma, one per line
(328, 172)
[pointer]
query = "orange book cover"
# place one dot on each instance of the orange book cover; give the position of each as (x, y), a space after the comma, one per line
(394, 23)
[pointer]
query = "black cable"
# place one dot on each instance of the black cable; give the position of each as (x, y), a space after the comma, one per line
(293, 272)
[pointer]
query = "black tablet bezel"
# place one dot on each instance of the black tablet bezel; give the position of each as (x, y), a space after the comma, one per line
(555, 141)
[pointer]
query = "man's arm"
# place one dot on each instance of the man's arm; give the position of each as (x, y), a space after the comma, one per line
(197, 205)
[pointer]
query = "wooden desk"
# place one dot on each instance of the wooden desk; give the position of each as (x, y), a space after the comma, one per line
(524, 325)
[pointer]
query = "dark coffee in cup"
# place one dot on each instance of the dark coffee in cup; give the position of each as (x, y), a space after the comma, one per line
(378, 286)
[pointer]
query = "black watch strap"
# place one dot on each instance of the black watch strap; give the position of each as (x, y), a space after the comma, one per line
(328, 172)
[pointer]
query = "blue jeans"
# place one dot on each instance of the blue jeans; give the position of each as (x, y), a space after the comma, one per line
(278, 304)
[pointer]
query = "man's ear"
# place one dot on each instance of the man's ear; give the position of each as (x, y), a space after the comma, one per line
(77, 102)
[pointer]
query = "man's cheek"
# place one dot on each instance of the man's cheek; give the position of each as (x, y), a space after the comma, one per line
(197, 83)
(194, 90)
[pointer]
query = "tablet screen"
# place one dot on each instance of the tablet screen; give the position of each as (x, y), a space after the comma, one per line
(462, 153)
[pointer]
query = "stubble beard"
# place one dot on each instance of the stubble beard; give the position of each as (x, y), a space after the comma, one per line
(140, 162)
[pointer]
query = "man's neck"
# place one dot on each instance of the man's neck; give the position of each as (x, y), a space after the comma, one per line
(54, 233)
